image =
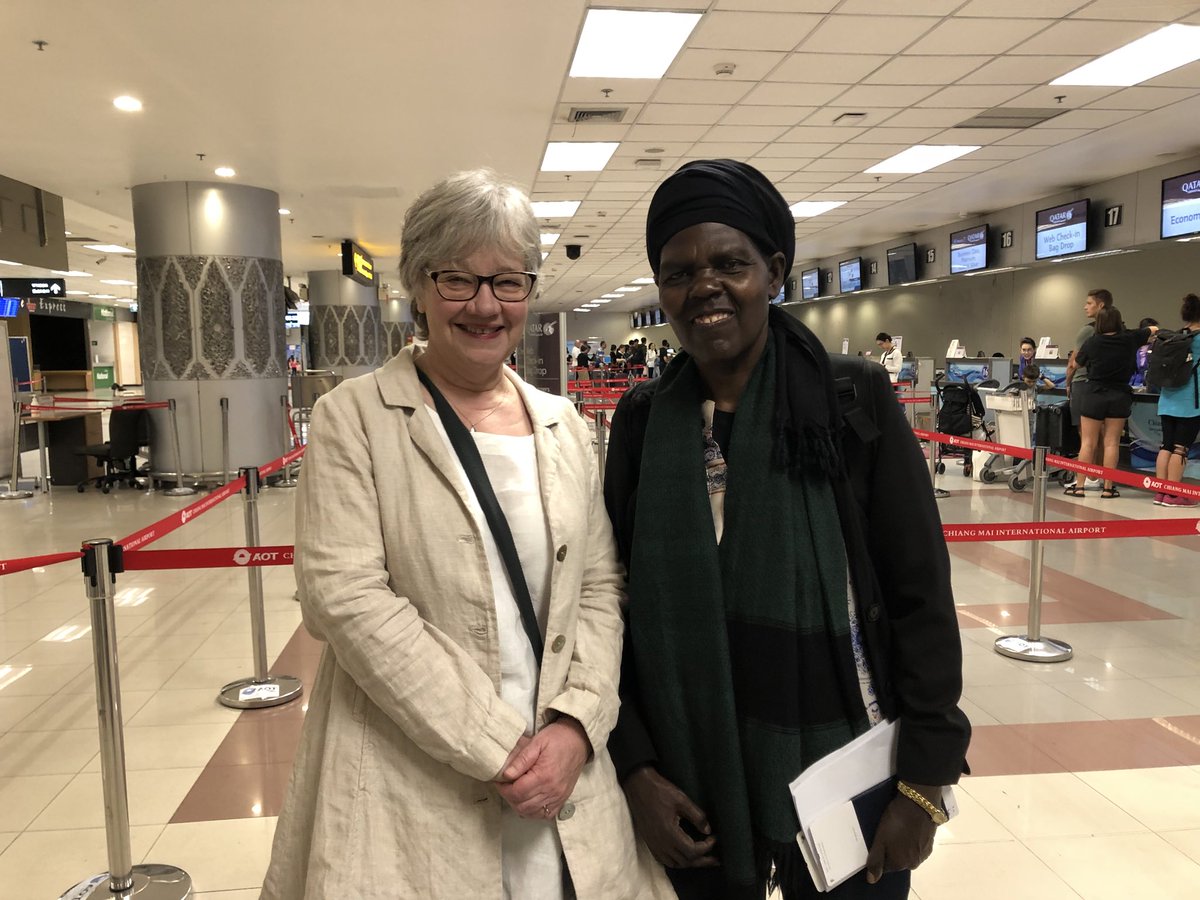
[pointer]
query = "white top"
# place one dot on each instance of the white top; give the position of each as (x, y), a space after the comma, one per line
(893, 361)
(531, 853)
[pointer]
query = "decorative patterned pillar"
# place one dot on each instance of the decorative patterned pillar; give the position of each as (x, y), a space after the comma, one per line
(343, 327)
(397, 327)
(211, 319)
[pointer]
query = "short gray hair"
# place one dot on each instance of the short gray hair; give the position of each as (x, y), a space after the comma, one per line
(461, 214)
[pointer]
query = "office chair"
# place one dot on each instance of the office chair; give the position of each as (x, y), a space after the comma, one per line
(128, 430)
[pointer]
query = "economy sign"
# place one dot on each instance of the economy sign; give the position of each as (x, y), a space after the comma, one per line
(357, 264)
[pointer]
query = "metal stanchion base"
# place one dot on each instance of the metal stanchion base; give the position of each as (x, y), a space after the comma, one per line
(16, 495)
(939, 494)
(1045, 650)
(287, 481)
(247, 693)
(179, 492)
(150, 882)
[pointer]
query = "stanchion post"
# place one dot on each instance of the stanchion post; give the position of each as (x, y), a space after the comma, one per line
(179, 490)
(1032, 646)
(287, 481)
(224, 440)
(14, 492)
(601, 440)
(123, 878)
(263, 689)
(934, 447)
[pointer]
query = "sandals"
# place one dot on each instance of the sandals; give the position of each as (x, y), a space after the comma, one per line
(1074, 490)
(1109, 493)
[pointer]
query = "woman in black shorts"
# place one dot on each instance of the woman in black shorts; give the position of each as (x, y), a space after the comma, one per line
(1111, 357)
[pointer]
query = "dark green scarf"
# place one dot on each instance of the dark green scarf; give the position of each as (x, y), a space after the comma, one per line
(743, 649)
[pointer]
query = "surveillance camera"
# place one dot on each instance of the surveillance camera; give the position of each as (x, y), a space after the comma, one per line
(101, 260)
(574, 251)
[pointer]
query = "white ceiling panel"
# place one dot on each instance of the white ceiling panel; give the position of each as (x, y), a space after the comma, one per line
(1043, 136)
(587, 131)
(1093, 119)
(977, 36)
(828, 115)
(1046, 96)
(1141, 11)
(1085, 38)
(1021, 9)
(894, 96)
(867, 34)
(817, 134)
(666, 132)
(681, 113)
(926, 69)
(905, 137)
(1029, 70)
(709, 90)
(772, 94)
(864, 151)
(759, 133)
(752, 30)
(767, 115)
(725, 149)
(973, 136)
(800, 6)
(830, 164)
(931, 118)
(1144, 98)
(827, 68)
(982, 96)
(751, 65)
(633, 149)
(1185, 76)
(910, 7)
(1003, 151)
(621, 90)
(805, 151)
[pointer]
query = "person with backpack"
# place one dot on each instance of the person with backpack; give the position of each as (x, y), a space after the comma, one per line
(637, 358)
(780, 612)
(1175, 369)
(1110, 356)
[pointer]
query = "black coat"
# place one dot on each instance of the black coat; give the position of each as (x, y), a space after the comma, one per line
(898, 563)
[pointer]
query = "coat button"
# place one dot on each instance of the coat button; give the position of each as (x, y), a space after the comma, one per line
(873, 613)
(568, 810)
(562, 553)
(559, 643)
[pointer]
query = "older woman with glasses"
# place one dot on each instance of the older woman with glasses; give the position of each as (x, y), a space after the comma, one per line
(452, 552)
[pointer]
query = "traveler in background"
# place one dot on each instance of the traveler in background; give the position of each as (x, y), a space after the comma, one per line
(778, 612)
(575, 353)
(1077, 375)
(1110, 356)
(1138, 382)
(637, 358)
(1033, 378)
(889, 355)
(618, 356)
(652, 360)
(585, 359)
(441, 756)
(664, 356)
(1028, 349)
(1179, 409)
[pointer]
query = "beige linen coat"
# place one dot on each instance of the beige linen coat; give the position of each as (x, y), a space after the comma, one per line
(390, 796)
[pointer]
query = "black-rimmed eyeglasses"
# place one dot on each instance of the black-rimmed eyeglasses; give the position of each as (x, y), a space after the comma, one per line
(507, 287)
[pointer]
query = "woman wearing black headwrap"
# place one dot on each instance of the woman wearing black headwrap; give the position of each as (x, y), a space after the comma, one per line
(781, 613)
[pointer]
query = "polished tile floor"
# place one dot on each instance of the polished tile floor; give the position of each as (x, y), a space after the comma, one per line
(1086, 776)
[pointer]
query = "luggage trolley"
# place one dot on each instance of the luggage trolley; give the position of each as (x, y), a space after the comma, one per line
(1013, 408)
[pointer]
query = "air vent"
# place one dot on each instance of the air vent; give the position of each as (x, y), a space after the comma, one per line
(647, 163)
(850, 118)
(1012, 117)
(599, 114)
(79, 239)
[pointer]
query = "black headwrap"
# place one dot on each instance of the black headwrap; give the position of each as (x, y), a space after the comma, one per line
(726, 191)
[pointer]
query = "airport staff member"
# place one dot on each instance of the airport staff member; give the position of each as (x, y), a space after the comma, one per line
(889, 355)
(781, 612)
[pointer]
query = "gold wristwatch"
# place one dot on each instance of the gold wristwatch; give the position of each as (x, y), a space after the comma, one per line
(935, 812)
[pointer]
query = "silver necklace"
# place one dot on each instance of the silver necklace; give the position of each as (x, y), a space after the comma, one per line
(471, 425)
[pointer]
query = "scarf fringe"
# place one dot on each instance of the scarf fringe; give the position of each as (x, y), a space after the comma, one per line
(781, 865)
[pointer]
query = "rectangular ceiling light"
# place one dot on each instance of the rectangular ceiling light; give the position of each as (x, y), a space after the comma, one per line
(555, 209)
(119, 281)
(601, 300)
(1158, 52)
(109, 248)
(920, 158)
(623, 43)
(549, 238)
(627, 290)
(612, 296)
(806, 209)
(72, 273)
(647, 280)
(578, 156)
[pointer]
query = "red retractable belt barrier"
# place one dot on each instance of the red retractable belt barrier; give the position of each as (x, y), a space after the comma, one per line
(1058, 531)
(32, 407)
(913, 398)
(209, 558)
(8, 566)
(955, 440)
(181, 517)
(276, 464)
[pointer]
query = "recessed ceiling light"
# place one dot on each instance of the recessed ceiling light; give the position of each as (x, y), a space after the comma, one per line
(120, 281)
(806, 209)
(77, 293)
(601, 300)
(224, 171)
(544, 255)
(72, 274)
(589, 306)
(613, 296)
(1149, 56)
(103, 296)
(550, 238)
(5, 262)
(581, 309)
(125, 103)
(627, 290)
(284, 211)
(555, 209)
(620, 43)
(920, 158)
(578, 156)
(108, 248)
(642, 281)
